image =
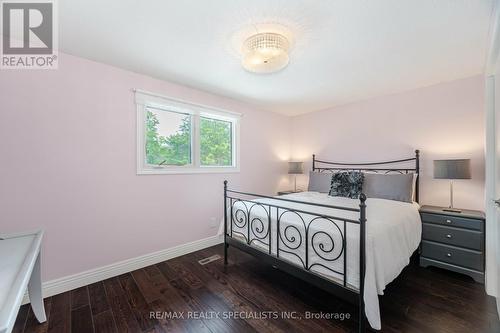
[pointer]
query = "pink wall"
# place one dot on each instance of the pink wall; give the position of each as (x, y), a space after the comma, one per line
(443, 121)
(67, 141)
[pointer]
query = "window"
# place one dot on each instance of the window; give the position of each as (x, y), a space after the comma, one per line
(168, 138)
(216, 142)
(180, 137)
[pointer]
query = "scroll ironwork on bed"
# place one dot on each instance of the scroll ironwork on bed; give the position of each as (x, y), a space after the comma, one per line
(249, 222)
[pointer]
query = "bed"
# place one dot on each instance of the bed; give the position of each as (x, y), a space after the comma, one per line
(338, 244)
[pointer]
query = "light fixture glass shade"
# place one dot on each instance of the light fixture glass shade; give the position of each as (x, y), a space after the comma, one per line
(265, 53)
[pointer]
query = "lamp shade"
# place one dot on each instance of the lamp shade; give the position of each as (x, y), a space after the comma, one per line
(452, 169)
(295, 167)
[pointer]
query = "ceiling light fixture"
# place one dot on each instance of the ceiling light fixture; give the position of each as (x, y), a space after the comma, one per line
(265, 53)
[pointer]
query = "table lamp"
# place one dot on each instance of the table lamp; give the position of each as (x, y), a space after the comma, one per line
(295, 168)
(452, 169)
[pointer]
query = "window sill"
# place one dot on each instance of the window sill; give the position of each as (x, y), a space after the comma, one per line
(167, 171)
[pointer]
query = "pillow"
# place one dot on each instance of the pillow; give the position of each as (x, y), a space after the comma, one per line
(414, 187)
(347, 184)
(397, 187)
(319, 181)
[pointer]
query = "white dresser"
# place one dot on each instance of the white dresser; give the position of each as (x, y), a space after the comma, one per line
(20, 269)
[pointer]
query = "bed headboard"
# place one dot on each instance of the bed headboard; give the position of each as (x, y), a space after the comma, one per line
(396, 166)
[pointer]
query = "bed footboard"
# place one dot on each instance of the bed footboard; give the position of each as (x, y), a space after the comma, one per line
(309, 245)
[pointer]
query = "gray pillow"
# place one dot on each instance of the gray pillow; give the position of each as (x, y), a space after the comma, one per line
(397, 187)
(319, 181)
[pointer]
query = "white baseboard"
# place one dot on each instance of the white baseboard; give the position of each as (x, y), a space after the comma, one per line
(61, 285)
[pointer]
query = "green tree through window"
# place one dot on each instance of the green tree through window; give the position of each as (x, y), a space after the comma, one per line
(175, 149)
(215, 142)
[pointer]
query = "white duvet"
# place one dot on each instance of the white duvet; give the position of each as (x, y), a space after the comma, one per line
(393, 233)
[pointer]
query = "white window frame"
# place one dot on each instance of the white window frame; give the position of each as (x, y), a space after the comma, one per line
(144, 99)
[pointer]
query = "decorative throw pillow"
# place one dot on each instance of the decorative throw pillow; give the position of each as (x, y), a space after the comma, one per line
(347, 184)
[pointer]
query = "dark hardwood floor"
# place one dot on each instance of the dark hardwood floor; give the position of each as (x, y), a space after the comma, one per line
(420, 300)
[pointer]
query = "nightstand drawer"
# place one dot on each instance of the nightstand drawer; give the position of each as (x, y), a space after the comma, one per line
(452, 221)
(453, 236)
(450, 254)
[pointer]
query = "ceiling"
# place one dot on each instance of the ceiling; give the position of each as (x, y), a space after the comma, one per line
(343, 50)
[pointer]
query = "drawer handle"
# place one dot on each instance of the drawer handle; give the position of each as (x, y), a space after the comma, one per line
(448, 236)
(448, 255)
(448, 221)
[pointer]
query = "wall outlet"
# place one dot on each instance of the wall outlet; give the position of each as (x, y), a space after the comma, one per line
(213, 222)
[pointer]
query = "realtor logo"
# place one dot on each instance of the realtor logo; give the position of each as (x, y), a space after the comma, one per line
(29, 34)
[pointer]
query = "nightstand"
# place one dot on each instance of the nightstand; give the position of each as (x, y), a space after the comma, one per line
(453, 241)
(288, 192)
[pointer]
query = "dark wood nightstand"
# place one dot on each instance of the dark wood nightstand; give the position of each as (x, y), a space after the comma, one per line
(453, 241)
(288, 192)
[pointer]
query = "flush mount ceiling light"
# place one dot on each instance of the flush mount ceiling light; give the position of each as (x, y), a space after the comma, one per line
(265, 53)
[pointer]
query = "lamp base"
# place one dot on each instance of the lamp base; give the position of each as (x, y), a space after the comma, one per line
(453, 210)
(450, 208)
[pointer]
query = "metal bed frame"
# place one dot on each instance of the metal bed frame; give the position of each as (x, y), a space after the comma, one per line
(290, 238)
